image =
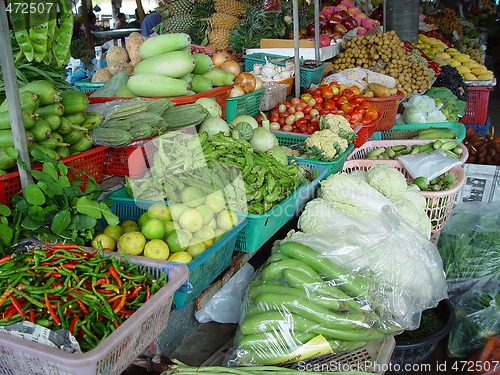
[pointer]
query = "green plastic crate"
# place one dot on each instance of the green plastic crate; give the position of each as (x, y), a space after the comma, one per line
(248, 104)
(85, 85)
(308, 76)
(332, 167)
(408, 131)
(204, 268)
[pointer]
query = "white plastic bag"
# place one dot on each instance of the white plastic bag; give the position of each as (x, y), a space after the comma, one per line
(428, 164)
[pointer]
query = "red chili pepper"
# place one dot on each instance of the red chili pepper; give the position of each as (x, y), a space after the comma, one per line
(32, 315)
(52, 274)
(116, 324)
(103, 280)
(126, 312)
(105, 291)
(69, 266)
(135, 292)
(51, 310)
(9, 313)
(66, 246)
(115, 304)
(72, 325)
(82, 307)
(5, 295)
(49, 264)
(5, 259)
(17, 306)
(148, 293)
(122, 302)
(115, 275)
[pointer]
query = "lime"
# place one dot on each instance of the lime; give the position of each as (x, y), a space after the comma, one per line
(178, 240)
(196, 247)
(181, 257)
(145, 216)
(159, 211)
(170, 226)
(206, 212)
(156, 249)
(226, 219)
(107, 242)
(205, 233)
(176, 209)
(191, 220)
(193, 196)
(126, 223)
(131, 243)
(208, 242)
(114, 231)
(216, 201)
(153, 229)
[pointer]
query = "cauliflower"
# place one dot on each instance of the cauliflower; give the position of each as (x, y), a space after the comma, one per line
(325, 144)
(338, 122)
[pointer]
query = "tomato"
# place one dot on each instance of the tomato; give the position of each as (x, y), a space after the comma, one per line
(326, 92)
(294, 101)
(274, 117)
(347, 108)
(311, 101)
(311, 129)
(335, 97)
(308, 117)
(355, 90)
(357, 100)
(281, 121)
(372, 113)
(259, 118)
(333, 111)
(342, 100)
(318, 106)
(329, 104)
(356, 116)
(366, 120)
(303, 128)
(307, 109)
(366, 104)
(300, 107)
(335, 88)
(317, 92)
(319, 99)
(348, 93)
(274, 111)
(324, 112)
(283, 114)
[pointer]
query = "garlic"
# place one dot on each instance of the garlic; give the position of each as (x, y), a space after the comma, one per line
(268, 69)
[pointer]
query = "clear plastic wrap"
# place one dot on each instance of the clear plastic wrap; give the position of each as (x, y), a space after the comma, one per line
(470, 245)
(428, 164)
(301, 305)
(478, 319)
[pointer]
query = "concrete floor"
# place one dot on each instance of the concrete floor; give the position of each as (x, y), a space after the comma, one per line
(198, 344)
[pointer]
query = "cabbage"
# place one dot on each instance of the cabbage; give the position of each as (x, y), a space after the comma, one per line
(412, 115)
(361, 174)
(387, 180)
(415, 197)
(436, 116)
(211, 106)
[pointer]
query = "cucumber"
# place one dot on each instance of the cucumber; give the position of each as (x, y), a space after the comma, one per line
(200, 83)
(112, 87)
(203, 63)
(29, 119)
(29, 102)
(219, 77)
(41, 130)
(51, 109)
(77, 118)
(164, 43)
(175, 64)
(54, 121)
(157, 85)
(47, 92)
(74, 101)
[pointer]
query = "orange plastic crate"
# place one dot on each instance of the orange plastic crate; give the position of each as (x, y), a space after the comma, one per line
(387, 108)
(476, 110)
(86, 164)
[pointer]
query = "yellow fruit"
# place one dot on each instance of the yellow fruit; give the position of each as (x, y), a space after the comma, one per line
(105, 241)
(154, 229)
(423, 38)
(191, 220)
(471, 64)
(181, 257)
(443, 56)
(156, 249)
(159, 211)
(463, 69)
(114, 231)
(131, 243)
(485, 76)
(470, 77)
(452, 62)
(461, 57)
(479, 70)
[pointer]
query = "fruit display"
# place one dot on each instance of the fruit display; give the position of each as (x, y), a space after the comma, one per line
(450, 147)
(447, 21)
(482, 150)
(302, 115)
(451, 79)
(384, 53)
(137, 119)
(178, 232)
(55, 122)
(223, 21)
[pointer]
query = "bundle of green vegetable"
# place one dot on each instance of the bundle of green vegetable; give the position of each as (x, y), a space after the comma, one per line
(66, 287)
(138, 119)
(53, 208)
(298, 296)
(452, 107)
(450, 148)
(55, 121)
(266, 180)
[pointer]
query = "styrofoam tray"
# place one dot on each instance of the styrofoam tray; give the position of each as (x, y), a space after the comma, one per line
(325, 53)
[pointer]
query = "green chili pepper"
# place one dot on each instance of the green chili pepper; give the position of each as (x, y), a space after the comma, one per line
(62, 45)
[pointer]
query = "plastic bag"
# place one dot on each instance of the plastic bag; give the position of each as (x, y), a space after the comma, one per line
(470, 245)
(478, 319)
(488, 358)
(428, 164)
(300, 305)
(224, 307)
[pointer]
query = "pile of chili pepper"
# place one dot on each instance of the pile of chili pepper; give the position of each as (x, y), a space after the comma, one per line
(66, 287)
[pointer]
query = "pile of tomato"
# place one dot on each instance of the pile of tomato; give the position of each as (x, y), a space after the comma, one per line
(300, 115)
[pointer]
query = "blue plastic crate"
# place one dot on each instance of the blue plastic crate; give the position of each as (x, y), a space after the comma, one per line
(308, 76)
(481, 129)
(204, 268)
(308, 192)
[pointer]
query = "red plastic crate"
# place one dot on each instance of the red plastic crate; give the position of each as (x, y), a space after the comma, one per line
(387, 108)
(85, 164)
(476, 110)
(366, 132)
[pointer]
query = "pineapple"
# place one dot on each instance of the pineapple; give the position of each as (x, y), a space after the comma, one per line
(218, 38)
(181, 23)
(222, 20)
(232, 7)
(178, 7)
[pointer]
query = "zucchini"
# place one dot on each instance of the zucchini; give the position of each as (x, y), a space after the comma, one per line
(175, 64)
(47, 92)
(203, 63)
(157, 85)
(29, 119)
(200, 83)
(51, 109)
(41, 130)
(29, 102)
(74, 101)
(164, 43)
